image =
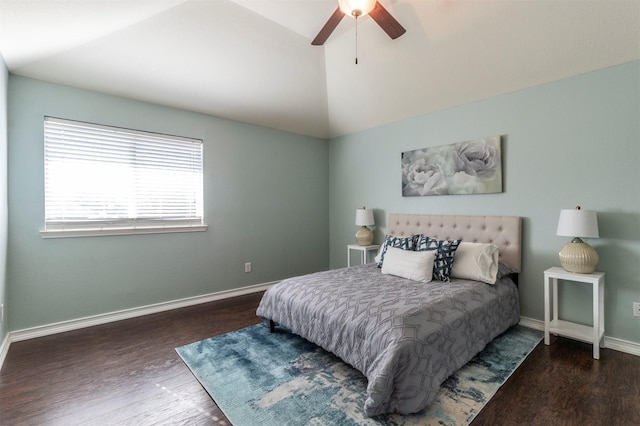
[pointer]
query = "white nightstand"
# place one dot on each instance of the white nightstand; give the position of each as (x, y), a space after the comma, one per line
(554, 325)
(364, 250)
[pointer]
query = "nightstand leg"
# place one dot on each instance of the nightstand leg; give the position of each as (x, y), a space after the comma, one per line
(546, 310)
(601, 299)
(554, 285)
(596, 320)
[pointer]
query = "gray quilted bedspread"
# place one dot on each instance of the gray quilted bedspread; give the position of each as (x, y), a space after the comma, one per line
(406, 337)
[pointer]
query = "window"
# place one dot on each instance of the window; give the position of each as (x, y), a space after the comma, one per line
(107, 180)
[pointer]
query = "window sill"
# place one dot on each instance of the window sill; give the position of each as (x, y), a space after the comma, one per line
(73, 233)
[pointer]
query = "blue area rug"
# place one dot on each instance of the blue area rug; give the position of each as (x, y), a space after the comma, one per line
(258, 378)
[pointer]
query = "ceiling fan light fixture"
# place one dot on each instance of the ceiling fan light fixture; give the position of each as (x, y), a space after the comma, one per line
(356, 8)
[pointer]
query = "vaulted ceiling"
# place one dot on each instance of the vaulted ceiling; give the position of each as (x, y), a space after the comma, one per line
(252, 61)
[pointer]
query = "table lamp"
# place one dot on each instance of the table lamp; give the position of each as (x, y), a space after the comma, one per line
(364, 218)
(578, 256)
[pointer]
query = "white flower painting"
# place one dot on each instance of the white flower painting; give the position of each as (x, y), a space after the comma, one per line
(470, 167)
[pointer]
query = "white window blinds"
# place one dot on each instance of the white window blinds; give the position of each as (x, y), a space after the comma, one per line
(99, 177)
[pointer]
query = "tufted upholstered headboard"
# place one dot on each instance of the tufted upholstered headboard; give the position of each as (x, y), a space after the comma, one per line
(503, 231)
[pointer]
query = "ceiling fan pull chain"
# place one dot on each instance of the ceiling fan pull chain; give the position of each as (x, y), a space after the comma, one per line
(356, 16)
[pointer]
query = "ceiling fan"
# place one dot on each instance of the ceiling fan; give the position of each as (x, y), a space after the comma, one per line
(357, 9)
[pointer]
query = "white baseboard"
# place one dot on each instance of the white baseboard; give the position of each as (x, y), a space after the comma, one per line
(4, 349)
(61, 327)
(609, 342)
(622, 345)
(532, 323)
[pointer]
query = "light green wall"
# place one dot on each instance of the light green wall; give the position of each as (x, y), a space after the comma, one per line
(4, 79)
(572, 142)
(576, 141)
(266, 202)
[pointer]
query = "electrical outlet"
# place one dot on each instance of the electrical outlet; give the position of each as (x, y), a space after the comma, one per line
(636, 309)
(247, 267)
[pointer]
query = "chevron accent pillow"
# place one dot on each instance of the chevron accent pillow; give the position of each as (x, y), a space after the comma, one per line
(445, 251)
(397, 242)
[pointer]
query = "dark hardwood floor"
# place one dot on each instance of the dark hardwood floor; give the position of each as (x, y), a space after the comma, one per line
(128, 373)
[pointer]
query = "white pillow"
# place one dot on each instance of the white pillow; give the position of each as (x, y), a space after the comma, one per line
(476, 261)
(413, 265)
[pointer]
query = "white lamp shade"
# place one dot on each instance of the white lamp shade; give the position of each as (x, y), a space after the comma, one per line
(364, 217)
(364, 6)
(578, 223)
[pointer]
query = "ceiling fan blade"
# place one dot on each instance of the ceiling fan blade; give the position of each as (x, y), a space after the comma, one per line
(387, 22)
(328, 28)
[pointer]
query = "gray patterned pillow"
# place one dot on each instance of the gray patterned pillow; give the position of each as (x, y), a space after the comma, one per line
(397, 242)
(445, 251)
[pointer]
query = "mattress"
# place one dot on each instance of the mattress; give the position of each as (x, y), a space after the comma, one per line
(405, 336)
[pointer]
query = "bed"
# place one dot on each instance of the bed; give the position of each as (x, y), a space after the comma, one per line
(404, 335)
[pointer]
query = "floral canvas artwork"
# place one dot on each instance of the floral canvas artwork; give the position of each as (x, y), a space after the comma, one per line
(470, 167)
